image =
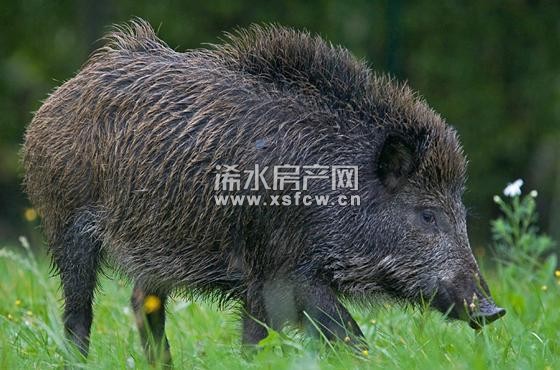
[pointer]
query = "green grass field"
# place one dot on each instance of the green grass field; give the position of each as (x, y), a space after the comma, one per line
(525, 280)
(202, 336)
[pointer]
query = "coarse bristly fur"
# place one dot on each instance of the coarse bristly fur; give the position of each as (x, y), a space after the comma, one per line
(120, 162)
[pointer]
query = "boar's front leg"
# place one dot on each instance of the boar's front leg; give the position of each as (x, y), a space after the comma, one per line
(322, 313)
(254, 316)
(281, 301)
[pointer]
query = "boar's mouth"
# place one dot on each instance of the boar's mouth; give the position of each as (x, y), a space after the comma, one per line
(485, 314)
(477, 308)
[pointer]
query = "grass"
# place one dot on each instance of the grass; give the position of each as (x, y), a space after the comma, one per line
(525, 281)
(202, 336)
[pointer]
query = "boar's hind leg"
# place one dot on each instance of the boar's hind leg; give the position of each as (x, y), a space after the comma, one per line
(149, 309)
(322, 311)
(77, 257)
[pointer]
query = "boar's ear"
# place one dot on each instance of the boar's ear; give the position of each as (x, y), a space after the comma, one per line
(397, 161)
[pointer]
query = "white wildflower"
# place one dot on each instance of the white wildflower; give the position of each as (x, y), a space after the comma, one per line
(24, 242)
(130, 363)
(534, 193)
(513, 189)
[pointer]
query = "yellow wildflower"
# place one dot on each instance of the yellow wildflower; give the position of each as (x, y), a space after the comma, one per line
(30, 214)
(365, 352)
(151, 304)
(557, 273)
(18, 302)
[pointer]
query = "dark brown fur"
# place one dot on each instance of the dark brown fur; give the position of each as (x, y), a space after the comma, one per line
(120, 163)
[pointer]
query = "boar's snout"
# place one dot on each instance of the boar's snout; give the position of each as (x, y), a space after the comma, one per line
(468, 303)
(486, 313)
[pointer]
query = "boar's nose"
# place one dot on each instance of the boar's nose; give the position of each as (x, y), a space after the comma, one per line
(485, 313)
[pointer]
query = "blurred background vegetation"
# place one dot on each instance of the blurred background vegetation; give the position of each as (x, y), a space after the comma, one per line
(491, 68)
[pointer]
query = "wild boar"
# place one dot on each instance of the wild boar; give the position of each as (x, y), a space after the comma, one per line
(121, 163)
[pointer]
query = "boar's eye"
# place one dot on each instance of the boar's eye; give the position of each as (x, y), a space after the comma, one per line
(428, 216)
